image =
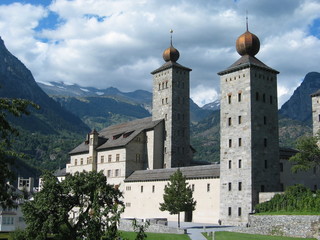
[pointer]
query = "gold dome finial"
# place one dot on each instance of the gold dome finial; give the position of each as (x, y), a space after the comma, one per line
(171, 53)
(248, 43)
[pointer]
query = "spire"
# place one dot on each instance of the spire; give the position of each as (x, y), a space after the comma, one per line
(247, 21)
(171, 53)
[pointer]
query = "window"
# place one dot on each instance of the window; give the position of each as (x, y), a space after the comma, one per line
(102, 159)
(265, 120)
(159, 86)
(230, 163)
(240, 186)
(229, 211)
(319, 117)
(192, 187)
(239, 119)
(128, 204)
(265, 142)
(239, 97)
(257, 96)
(117, 173)
(109, 158)
(265, 164)
(81, 161)
(162, 101)
(239, 163)
(109, 173)
(262, 188)
(230, 143)
(229, 186)
(264, 98)
(166, 116)
(117, 157)
(271, 99)
(138, 157)
(76, 162)
(229, 121)
(166, 100)
(141, 189)
(281, 167)
(128, 188)
(153, 188)
(208, 187)
(229, 99)
(240, 142)
(239, 211)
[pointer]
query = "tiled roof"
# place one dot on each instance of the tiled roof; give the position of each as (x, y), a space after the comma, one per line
(168, 65)
(60, 172)
(205, 171)
(245, 62)
(317, 93)
(118, 135)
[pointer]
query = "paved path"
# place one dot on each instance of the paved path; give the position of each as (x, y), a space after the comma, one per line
(194, 230)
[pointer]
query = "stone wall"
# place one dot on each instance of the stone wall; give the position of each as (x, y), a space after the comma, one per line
(284, 225)
(126, 225)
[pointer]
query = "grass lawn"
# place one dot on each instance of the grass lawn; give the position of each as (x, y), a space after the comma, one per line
(156, 236)
(243, 236)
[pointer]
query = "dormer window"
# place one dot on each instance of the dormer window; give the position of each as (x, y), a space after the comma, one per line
(127, 134)
(116, 136)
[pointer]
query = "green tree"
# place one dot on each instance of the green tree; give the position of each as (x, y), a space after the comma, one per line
(83, 206)
(177, 196)
(15, 107)
(308, 155)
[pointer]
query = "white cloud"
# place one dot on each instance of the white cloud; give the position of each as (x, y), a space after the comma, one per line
(105, 43)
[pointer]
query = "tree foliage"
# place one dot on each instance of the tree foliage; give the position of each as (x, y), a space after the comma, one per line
(295, 199)
(83, 206)
(177, 196)
(15, 107)
(308, 155)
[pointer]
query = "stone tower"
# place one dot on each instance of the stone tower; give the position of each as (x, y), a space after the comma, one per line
(171, 103)
(249, 152)
(316, 112)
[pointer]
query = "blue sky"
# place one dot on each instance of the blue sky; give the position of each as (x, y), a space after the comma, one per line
(105, 43)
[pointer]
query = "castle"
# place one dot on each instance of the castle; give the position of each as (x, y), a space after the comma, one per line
(139, 156)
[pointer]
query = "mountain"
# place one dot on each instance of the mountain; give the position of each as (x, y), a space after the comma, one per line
(213, 106)
(100, 108)
(46, 135)
(298, 107)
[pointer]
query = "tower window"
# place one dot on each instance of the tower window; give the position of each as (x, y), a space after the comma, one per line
(162, 85)
(319, 117)
(208, 187)
(265, 164)
(162, 101)
(230, 163)
(229, 99)
(240, 142)
(239, 186)
(229, 211)
(166, 100)
(159, 86)
(271, 99)
(153, 188)
(264, 98)
(239, 163)
(141, 189)
(281, 167)
(262, 188)
(265, 120)
(265, 142)
(239, 119)
(230, 143)
(229, 186)
(192, 187)
(257, 96)
(239, 97)
(229, 121)
(239, 211)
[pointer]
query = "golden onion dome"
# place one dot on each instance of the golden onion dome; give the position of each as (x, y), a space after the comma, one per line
(248, 44)
(171, 54)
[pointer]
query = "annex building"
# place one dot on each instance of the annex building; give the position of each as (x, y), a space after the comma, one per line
(139, 156)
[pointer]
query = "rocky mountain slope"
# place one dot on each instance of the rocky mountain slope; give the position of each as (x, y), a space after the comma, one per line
(43, 129)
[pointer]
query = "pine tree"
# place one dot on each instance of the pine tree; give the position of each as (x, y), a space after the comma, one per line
(177, 196)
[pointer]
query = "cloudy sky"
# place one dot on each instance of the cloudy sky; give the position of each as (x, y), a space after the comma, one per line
(103, 43)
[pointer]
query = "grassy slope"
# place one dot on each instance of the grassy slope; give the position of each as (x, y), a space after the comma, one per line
(156, 236)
